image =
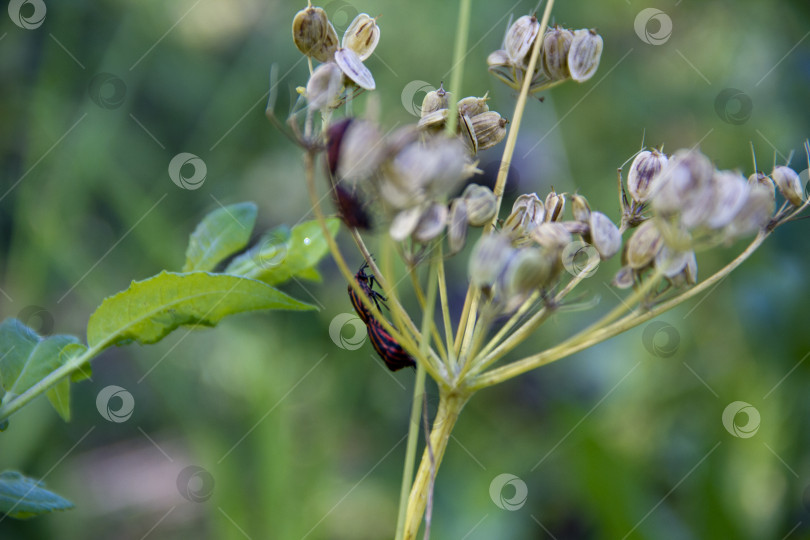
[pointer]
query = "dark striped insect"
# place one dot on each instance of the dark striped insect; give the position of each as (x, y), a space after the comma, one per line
(389, 349)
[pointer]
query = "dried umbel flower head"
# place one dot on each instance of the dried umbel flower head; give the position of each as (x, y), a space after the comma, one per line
(643, 174)
(520, 37)
(481, 204)
(584, 54)
(324, 87)
(362, 36)
(787, 180)
(556, 44)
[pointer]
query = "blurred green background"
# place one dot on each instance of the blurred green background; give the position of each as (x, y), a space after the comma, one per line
(298, 438)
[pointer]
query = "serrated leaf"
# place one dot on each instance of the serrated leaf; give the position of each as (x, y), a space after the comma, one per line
(221, 233)
(150, 309)
(274, 261)
(22, 497)
(26, 358)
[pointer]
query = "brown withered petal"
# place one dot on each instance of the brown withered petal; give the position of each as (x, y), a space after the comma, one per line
(555, 204)
(787, 180)
(362, 36)
(489, 128)
(472, 106)
(457, 225)
(434, 101)
(309, 29)
(404, 223)
(584, 54)
(325, 50)
(324, 86)
(643, 245)
(580, 208)
(468, 135)
(361, 151)
(431, 224)
(552, 236)
(527, 212)
(605, 235)
(353, 68)
(643, 174)
(624, 278)
(730, 193)
(481, 204)
(556, 44)
(520, 37)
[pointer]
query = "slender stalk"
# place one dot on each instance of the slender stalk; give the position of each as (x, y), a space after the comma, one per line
(457, 70)
(448, 326)
(420, 297)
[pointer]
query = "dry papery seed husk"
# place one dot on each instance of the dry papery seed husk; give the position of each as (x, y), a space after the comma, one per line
(457, 225)
(309, 29)
(605, 235)
(324, 86)
(624, 278)
(527, 270)
(481, 204)
(435, 100)
(642, 246)
(362, 150)
(643, 174)
(325, 50)
(682, 181)
(730, 193)
(489, 128)
(434, 119)
(431, 224)
(472, 106)
(787, 180)
(555, 204)
(468, 135)
(498, 58)
(404, 223)
(552, 236)
(520, 37)
(527, 212)
(556, 44)
(362, 36)
(488, 258)
(584, 54)
(580, 208)
(353, 68)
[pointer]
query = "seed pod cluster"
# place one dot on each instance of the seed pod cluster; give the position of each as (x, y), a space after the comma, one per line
(564, 54)
(478, 127)
(315, 36)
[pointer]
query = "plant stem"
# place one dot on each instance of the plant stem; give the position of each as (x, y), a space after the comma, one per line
(457, 69)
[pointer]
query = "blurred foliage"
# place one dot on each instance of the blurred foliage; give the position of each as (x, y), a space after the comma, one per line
(303, 439)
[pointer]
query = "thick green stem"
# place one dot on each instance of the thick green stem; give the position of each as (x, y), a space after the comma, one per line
(457, 69)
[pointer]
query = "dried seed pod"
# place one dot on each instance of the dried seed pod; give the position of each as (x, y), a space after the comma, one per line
(472, 106)
(353, 68)
(431, 224)
(404, 223)
(325, 50)
(434, 119)
(309, 29)
(683, 182)
(489, 128)
(671, 262)
(435, 100)
(584, 54)
(361, 151)
(730, 193)
(324, 86)
(580, 208)
(397, 193)
(556, 44)
(755, 213)
(488, 259)
(787, 180)
(498, 58)
(642, 246)
(527, 213)
(624, 278)
(457, 225)
(468, 135)
(436, 165)
(520, 37)
(526, 271)
(552, 236)
(362, 36)
(643, 174)
(555, 204)
(605, 235)
(481, 204)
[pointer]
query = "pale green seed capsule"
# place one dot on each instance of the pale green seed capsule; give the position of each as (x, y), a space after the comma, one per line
(309, 29)
(526, 271)
(787, 180)
(362, 36)
(481, 204)
(489, 128)
(435, 100)
(554, 57)
(584, 54)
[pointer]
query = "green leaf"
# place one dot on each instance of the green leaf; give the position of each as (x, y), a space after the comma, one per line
(22, 497)
(310, 274)
(26, 358)
(276, 257)
(220, 234)
(150, 309)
